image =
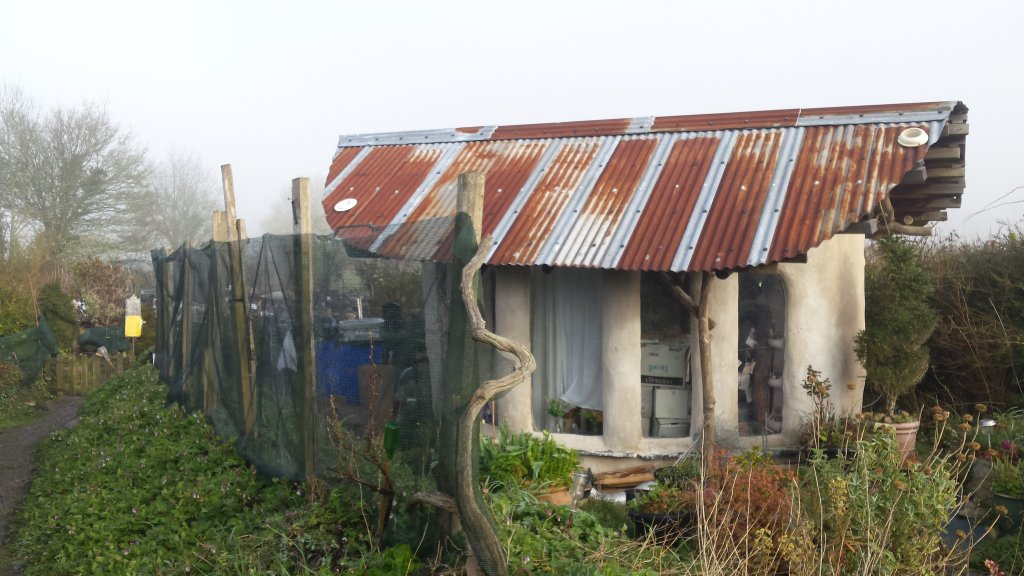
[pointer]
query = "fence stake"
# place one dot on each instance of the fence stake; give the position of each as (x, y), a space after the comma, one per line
(238, 308)
(186, 310)
(305, 348)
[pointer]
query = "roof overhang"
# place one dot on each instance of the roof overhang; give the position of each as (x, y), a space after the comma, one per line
(677, 193)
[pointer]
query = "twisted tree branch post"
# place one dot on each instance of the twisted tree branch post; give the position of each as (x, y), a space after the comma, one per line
(475, 521)
(706, 377)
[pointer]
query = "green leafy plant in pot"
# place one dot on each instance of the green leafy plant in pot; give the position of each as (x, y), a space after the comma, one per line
(1008, 491)
(898, 321)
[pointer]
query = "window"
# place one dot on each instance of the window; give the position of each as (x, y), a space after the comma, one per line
(665, 381)
(762, 316)
(566, 342)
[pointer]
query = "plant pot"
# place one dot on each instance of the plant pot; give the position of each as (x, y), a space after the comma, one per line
(556, 496)
(974, 532)
(1014, 511)
(906, 437)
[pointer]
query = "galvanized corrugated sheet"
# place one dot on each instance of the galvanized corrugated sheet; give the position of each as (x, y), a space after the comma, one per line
(709, 192)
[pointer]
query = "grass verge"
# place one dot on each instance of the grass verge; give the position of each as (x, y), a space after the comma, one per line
(137, 488)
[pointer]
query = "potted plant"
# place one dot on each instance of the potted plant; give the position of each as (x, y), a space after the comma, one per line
(669, 509)
(665, 512)
(1008, 491)
(557, 408)
(534, 462)
(898, 321)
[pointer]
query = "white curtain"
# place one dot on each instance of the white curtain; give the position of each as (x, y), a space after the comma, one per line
(566, 340)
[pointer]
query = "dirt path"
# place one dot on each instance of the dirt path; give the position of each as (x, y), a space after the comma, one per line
(17, 448)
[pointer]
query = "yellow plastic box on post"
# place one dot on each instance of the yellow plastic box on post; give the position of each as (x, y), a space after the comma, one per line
(132, 326)
(132, 317)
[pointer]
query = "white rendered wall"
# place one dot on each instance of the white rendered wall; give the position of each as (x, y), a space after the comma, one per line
(824, 312)
(620, 360)
(512, 320)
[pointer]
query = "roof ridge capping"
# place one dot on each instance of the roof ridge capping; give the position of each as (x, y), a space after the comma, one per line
(792, 117)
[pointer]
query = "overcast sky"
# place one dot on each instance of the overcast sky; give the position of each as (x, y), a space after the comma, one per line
(269, 86)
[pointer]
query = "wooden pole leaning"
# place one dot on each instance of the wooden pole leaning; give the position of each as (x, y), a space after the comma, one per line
(239, 310)
(305, 346)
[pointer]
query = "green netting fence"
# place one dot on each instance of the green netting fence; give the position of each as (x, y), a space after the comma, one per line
(29, 349)
(379, 328)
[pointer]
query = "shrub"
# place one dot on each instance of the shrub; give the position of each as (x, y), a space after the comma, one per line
(101, 288)
(898, 319)
(16, 311)
(748, 511)
(526, 459)
(977, 351)
(544, 538)
(59, 311)
(875, 515)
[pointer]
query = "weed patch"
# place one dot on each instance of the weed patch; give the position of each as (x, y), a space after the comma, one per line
(138, 488)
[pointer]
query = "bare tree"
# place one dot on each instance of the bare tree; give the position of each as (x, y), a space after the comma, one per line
(182, 195)
(14, 110)
(71, 173)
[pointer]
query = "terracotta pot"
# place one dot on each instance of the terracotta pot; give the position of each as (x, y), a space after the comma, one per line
(558, 497)
(906, 437)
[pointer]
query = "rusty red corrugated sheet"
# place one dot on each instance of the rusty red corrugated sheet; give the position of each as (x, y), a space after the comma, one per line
(660, 229)
(729, 229)
(563, 129)
(699, 192)
(533, 223)
(380, 185)
(767, 119)
(603, 209)
(506, 177)
(341, 160)
(829, 191)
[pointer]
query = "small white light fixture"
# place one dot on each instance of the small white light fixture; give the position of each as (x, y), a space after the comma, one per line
(345, 205)
(912, 138)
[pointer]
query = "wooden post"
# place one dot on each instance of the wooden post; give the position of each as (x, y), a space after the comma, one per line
(220, 226)
(305, 347)
(186, 306)
(471, 200)
(211, 393)
(706, 376)
(238, 308)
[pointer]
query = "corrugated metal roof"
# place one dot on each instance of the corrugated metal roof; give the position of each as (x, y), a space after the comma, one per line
(707, 192)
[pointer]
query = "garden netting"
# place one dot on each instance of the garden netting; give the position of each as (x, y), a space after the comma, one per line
(29, 349)
(380, 336)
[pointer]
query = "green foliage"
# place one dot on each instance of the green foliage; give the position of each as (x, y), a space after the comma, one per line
(147, 341)
(526, 459)
(608, 513)
(13, 407)
(682, 474)
(898, 319)
(977, 352)
(137, 488)
(1008, 478)
(875, 514)
(57, 308)
(547, 539)
(16, 311)
(1007, 550)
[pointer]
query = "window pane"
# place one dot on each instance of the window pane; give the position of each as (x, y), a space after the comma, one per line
(665, 381)
(762, 316)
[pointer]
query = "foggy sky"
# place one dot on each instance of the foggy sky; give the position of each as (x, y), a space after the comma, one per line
(269, 86)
